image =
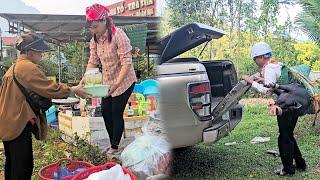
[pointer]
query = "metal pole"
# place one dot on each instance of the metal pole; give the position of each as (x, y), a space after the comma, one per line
(210, 51)
(82, 59)
(18, 28)
(1, 46)
(148, 60)
(18, 32)
(59, 60)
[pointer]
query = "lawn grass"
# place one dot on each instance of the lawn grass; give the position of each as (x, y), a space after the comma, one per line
(245, 161)
(216, 161)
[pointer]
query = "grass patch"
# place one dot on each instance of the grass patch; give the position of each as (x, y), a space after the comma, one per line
(216, 161)
(245, 161)
(53, 149)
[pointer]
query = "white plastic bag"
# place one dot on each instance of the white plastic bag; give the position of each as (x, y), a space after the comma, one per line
(114, 173)
(148, 154)
(258, 139)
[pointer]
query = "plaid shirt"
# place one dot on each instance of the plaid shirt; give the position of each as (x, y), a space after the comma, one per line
(112, 56)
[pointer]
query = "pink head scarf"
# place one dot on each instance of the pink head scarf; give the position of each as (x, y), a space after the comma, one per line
(98, 12)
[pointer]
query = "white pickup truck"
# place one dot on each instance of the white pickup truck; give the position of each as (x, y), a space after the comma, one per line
(198, 98)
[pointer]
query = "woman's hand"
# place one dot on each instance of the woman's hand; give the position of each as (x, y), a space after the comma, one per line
(82, 82)
(79, 91)
(113, 88)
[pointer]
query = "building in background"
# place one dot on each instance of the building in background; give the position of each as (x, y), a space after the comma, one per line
(8, 47)
(7, 50)
(134, 8)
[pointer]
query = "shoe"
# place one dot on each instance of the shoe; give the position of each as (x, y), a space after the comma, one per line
(112, 151)
(108, 148)
(281, 172)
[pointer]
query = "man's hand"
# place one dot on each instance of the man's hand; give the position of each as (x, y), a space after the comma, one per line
(259, 79)
(270, 91)
(275, 110)
(247, 79)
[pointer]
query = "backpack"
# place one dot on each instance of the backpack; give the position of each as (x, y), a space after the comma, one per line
(300, 74)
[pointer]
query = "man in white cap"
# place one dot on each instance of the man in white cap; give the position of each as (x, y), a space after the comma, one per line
(270, 72)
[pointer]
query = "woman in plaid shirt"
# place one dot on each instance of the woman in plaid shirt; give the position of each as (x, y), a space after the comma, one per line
(110, 47)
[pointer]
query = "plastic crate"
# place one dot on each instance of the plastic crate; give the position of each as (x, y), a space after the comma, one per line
(51, 114)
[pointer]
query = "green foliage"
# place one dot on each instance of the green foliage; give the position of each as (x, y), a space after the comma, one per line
(141, 68)
(7, 61)
(50, 68)
(243, 27)
(316, 66)
(309, 19)
(76, 58)
(308, 53)
(87, 152)
(186, 11)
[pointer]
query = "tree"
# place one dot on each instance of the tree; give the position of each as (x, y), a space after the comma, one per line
(186, 11)
(309, 19)
(308, 53)
(75, 54)
(49, 68)
(8, 62)
(245, 23)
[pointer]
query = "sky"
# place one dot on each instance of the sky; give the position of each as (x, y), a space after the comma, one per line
(78, 7)
(65, 6)
(68, 6)
(75, 7)
(292, 12)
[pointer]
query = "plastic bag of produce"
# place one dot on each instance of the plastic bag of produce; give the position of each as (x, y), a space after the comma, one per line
(148, 155)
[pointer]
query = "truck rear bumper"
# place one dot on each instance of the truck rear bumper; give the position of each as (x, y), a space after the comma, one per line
(218, 131)
(213, 134)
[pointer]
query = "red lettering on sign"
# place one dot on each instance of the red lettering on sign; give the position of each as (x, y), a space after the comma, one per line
(133, 8)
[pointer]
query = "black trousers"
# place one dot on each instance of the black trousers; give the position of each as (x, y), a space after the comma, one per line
(19, 156)
(287, 144)
(112, 112)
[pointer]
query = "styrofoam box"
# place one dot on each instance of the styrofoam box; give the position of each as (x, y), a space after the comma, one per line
(89, 128)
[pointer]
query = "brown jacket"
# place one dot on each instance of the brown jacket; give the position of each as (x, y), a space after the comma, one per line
(15, 111)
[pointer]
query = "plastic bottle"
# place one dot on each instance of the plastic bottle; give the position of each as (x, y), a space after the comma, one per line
(130, 111)
(125, 113)
(152, 106)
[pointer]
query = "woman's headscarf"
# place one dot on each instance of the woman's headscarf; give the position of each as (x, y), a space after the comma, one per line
(98, 12)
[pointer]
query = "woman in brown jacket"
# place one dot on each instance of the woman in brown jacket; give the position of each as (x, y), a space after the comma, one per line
(17, 119)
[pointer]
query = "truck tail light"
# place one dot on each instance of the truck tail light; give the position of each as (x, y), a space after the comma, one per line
(200, 99)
